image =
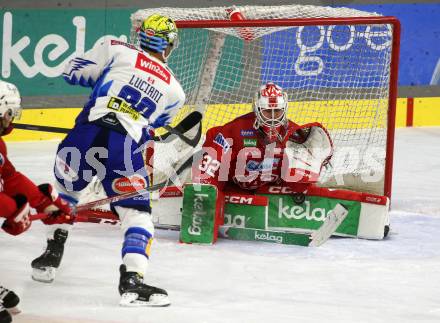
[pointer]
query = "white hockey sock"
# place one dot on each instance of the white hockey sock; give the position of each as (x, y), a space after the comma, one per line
(136, 262)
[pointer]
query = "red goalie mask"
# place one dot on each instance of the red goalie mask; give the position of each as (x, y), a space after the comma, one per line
(270, 107)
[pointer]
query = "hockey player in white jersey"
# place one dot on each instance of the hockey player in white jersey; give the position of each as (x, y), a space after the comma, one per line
(134, 91)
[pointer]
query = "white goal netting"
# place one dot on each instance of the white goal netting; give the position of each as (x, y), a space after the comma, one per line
(337, 74)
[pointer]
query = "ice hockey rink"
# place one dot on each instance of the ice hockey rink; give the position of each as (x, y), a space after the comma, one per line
(345, 280)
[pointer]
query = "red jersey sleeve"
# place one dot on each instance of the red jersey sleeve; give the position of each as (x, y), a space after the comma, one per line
(213, 167)
(8, 205)
(13, 183)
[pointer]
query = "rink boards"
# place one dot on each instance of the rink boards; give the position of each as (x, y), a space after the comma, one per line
(424, 112)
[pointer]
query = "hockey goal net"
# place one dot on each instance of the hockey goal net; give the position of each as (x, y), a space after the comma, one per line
(338, 66)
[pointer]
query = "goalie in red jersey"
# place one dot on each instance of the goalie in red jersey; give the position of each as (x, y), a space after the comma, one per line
(263, 147)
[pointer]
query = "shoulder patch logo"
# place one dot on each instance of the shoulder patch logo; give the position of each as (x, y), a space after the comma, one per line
(148, 65)
(264, 165)
(114, 42)
(247, 133)
(249, 142)
(221, 141)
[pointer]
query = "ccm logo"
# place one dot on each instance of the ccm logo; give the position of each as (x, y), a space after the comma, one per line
(280, 190)
(375, 199)
(151, 67)
(125, 184)
(238, 199)
(372, 199)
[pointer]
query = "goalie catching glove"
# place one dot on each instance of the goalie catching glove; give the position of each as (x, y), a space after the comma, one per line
(307, 151)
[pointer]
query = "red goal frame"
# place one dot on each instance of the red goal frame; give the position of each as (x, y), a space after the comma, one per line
(394, 64)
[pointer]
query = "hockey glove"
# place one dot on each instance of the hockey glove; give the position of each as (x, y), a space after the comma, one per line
(57, 209)
(18, 222)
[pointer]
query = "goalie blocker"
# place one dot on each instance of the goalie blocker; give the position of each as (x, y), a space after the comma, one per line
(271, 215)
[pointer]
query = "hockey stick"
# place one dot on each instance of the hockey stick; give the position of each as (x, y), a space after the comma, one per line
(101, 217)
(87, 216)
(117, 198)
(128, 195)
(108, 200)
(190, 121)
(25, 126)
(85, 212)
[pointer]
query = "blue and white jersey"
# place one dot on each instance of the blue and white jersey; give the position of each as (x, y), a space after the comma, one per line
(140, 89)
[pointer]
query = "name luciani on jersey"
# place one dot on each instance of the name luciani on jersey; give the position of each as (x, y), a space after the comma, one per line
(145, 87)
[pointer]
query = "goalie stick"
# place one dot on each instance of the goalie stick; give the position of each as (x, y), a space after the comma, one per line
(316, 238)
(329, 226)
(290, 237)
(190, 121)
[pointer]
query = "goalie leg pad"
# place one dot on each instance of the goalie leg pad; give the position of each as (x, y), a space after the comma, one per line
(202, 213)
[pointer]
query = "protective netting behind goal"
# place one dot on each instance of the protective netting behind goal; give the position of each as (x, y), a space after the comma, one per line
(336, 72)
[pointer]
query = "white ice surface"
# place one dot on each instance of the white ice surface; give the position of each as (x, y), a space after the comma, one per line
(345, 280)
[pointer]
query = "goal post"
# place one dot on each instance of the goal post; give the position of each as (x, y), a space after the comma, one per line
(339, 67)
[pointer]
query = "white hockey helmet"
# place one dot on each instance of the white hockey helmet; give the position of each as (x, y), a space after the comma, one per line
(10, 100)
(270, 106)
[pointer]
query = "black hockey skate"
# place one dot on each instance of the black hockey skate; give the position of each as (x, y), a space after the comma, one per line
(45, 266)
(135, 293)
(5, 316)
(8, 305)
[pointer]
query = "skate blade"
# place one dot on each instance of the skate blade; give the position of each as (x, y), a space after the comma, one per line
(131, 300)
(44, 275)
(13, 310)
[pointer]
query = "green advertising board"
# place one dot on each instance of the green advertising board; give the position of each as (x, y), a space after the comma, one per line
(36, 44)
